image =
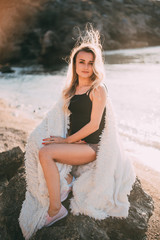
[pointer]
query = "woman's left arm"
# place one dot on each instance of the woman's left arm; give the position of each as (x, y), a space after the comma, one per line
(98, 98)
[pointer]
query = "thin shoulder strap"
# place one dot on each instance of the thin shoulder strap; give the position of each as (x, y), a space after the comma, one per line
(88, 91)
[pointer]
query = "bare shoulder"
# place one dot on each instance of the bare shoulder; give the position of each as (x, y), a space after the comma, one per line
(99, 93)
(101, 89)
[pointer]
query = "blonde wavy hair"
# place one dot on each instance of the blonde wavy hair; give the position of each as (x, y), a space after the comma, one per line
(88, 41)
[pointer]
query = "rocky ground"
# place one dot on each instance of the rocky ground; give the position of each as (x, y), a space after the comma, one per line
(150, 181)
(44, 32)
(13, 132)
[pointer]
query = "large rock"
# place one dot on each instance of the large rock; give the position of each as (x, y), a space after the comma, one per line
(10, 204)
(84, 228)
(75, 227)
(10, 161)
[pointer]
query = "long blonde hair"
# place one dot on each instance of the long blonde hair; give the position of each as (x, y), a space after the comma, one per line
(88, 42)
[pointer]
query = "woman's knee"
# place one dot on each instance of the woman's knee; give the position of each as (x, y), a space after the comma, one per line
(44, 153)
(41, 153)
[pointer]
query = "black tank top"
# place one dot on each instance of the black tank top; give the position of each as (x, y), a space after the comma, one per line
(80, 107)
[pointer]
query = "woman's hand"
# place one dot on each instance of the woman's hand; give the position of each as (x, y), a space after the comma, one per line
(53, 139)
(80, 141)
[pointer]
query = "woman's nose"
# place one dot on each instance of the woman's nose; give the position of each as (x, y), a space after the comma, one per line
(86, 66)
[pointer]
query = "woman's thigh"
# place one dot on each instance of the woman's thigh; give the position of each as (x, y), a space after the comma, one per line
(72, 154)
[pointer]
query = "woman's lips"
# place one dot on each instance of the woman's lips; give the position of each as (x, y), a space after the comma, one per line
(85, 72)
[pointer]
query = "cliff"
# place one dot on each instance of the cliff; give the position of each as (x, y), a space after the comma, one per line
(43, 32)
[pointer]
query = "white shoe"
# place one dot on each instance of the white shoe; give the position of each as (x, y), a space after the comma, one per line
(65, 194)
(61, 214)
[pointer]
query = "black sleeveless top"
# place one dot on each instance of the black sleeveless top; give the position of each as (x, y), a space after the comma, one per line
(80, 107)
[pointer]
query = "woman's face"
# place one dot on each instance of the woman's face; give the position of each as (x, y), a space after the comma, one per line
(84, 64)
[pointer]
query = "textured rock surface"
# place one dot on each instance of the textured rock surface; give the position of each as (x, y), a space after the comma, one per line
(10, 161)
(11, 137)
(46, 37)
(10, 204)
(75, 227)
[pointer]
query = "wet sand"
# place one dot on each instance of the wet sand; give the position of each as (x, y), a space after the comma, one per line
(15, 128)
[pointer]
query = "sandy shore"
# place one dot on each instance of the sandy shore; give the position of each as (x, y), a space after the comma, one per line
(15, 127)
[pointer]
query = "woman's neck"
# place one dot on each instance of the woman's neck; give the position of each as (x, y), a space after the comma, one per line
(82, 82)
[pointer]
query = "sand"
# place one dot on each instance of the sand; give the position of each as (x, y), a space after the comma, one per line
(15, 128)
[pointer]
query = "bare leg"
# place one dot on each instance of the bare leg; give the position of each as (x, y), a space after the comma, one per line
(73, 154)
(52, 178)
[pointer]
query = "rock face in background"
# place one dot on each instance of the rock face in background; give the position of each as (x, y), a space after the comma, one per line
(72, 227)
(45, 34)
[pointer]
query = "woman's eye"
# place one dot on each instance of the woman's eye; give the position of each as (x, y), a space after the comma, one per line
(81, 62)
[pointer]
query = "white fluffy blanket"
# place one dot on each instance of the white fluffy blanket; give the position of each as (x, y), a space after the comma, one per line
(101, 187)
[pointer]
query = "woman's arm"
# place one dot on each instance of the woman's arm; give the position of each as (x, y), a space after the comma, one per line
(98, 104)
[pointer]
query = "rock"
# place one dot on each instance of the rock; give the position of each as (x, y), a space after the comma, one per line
(10, 161)
(83, 227)
(10, 205)
(75, 227)
(6, 68)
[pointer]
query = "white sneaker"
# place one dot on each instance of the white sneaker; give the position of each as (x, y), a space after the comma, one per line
(61, 214)
(65, 194)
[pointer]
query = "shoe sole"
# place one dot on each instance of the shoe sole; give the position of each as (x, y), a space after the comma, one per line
(57, 219)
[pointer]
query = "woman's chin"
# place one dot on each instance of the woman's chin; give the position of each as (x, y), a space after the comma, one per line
(85, 75)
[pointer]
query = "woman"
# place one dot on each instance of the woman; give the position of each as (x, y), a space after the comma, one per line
(87, 106)
(79, 132)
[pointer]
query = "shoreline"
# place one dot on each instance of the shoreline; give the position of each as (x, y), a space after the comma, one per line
(58, 66)
(14, 130)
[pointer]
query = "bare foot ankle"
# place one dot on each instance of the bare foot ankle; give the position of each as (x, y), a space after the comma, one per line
(69, 178)
(52, 212)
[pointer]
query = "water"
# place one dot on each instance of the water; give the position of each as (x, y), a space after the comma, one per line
(133, 81)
